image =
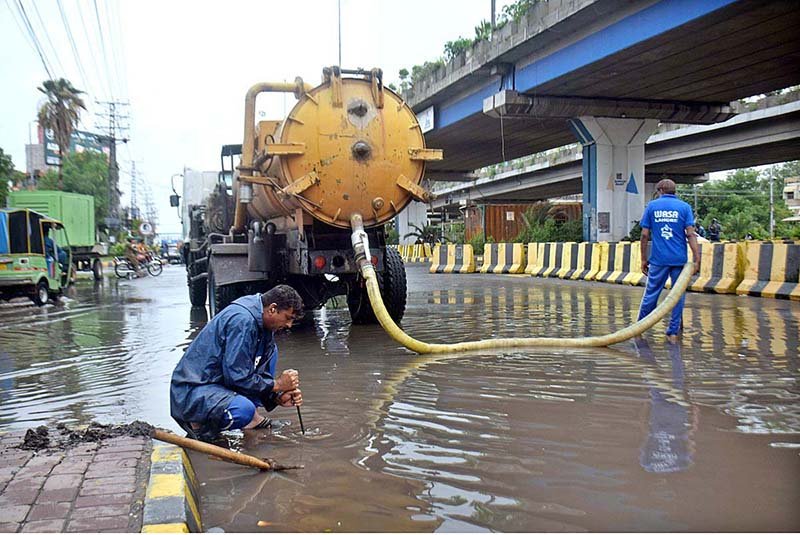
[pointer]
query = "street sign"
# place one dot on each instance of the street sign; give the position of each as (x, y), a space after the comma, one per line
(146, 229)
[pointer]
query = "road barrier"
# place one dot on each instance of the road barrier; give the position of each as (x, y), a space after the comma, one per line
(584, 263)
(171, 504)
(549, 259)
(453, 258)
(503, 258)
(771, 269)
(719, 268)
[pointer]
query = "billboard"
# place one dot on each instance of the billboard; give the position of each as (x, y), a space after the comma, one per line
(81, 141)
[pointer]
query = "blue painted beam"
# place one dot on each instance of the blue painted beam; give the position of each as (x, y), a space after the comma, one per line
(661, 17)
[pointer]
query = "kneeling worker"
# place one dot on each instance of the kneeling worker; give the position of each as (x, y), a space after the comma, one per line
(229, 369)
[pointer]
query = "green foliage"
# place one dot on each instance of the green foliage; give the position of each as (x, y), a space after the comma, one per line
(635, 234)
(118, 249)
(6, 175)
(418, 72)
(741, 202)
(453, 48)
(455, 232)
(424, 234)
(392, 236)
(541, 227)
(61, 113)
(477, 242)
(86, 173)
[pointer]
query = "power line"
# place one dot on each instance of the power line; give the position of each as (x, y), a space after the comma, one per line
(32, 34)
(115, 56)
(103, 48)
(78, 61)
(14, 15)
(47, 36)
(94, 61)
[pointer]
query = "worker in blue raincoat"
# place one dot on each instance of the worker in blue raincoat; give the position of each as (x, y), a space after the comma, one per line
(228, 371)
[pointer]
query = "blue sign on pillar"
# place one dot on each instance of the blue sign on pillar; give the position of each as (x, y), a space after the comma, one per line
(631, 187)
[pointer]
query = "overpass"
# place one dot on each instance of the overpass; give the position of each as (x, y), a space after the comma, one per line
(684, 154)
(605, 72)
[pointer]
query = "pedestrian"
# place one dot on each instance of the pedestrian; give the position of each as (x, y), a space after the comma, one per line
(714, 230)
(669, 222)
(228, 371)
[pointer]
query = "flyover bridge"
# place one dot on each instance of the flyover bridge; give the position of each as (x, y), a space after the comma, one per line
(604, 73)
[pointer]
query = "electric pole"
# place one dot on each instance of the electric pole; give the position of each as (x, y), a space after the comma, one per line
(771, 205)
(117, 126)
(134, 205)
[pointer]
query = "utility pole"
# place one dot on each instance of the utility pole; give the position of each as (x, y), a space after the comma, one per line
(493, 16)
(134, 205)
(771, 205)
(116, 127)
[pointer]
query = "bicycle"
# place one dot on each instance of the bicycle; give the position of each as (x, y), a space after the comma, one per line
(125, 270)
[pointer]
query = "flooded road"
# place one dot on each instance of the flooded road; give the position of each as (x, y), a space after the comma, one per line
(648, 436)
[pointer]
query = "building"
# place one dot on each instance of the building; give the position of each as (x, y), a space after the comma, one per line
(791, 194)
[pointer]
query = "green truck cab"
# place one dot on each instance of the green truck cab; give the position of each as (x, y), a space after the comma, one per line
(76, 213)
(29, 256)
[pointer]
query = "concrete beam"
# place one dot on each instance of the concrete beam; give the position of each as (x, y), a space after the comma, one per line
(512, 104)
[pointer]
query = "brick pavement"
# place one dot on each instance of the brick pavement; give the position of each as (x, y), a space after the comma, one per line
(93, 486)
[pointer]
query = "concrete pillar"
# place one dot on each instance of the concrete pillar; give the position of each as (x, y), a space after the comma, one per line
(613, 174)
(417, 213)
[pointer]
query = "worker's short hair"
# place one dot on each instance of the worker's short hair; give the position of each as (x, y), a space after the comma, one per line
(285, 297)
(666, 186)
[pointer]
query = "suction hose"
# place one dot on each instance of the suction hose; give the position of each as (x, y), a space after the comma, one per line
(361, 246)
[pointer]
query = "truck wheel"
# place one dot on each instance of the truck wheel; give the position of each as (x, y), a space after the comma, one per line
(219, 296)
(97, 269)
(41, 295)
(197, 289)
(392, 283)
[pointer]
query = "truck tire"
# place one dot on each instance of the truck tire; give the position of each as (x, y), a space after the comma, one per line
(97, 269)
(198, 290)
(392, 283)
(218, 296)
(41, 294)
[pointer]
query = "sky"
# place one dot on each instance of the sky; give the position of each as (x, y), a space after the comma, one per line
(185, 66)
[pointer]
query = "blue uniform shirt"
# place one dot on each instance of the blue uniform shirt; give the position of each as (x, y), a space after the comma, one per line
(667, 218)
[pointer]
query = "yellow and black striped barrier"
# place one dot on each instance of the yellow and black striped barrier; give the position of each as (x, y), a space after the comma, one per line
(453, 258)
(585, 262)
(503, 258)
(771, 270)
(719, 268)
(170, 504)
(549, 259)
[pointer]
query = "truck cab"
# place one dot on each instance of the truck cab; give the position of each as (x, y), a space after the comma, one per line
(32, 262)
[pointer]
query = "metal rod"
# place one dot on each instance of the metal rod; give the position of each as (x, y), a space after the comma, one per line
(300, 417)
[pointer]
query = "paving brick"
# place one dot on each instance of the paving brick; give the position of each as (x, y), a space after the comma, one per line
(77, 465)
(121, 472)
(83, 449)
(44, 526)
(103, 457)
(45, 459)
(119, 509)
(100, 523)
(108, 481)
(14, 513)
(23, 483)
(66, 481)
(36, 470)
(9, 527)
(110, 466)
(49, 511)
(58, 495)
(103, 499)
(114, 448)
(20, 496)
(123, 441)
(8, 471)
(15, 459)
(108, 489)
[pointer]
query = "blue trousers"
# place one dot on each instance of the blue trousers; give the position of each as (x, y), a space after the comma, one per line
(656, 280)
(239, 413)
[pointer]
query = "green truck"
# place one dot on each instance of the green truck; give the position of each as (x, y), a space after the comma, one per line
(76, 212)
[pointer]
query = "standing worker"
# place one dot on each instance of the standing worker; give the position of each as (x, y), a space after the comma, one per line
(714, 230)
(229, 369)
(670, 223)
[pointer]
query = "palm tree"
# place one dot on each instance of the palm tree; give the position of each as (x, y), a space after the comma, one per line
(61, 114)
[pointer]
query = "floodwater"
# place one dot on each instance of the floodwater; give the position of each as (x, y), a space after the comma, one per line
(648, 436)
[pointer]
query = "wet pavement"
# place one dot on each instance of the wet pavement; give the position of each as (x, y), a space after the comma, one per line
(650, 436)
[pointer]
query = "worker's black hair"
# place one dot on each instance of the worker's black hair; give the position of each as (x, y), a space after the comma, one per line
(285, 297)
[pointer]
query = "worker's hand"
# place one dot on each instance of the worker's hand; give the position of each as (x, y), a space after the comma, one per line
(696, 266)
(293, 397)
(288, 380)
(645, 267)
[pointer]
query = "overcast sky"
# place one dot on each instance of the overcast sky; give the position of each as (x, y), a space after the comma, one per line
(185, 66)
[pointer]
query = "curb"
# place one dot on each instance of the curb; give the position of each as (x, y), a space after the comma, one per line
(171, 504)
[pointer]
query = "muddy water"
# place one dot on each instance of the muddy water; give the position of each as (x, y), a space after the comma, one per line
(704, 435)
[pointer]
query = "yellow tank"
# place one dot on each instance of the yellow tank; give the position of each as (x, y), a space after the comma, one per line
(349, 146)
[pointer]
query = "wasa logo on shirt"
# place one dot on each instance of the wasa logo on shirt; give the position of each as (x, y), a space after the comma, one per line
(666, 232)
(666, 216)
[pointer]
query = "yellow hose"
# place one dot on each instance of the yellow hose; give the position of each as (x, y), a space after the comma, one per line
(361, 245)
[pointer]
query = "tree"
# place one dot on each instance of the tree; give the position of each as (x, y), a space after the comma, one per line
(6, 174)
(423, 234)
(83, 172)
(61, 114)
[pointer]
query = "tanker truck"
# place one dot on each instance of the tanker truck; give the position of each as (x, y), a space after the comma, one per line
(349, 148)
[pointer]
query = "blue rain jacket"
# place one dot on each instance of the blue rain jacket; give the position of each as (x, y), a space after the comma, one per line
(233, 354)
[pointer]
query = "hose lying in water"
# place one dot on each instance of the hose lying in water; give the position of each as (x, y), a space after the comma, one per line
(361, 246)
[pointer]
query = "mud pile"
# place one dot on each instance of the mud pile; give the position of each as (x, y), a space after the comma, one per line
(62, 437)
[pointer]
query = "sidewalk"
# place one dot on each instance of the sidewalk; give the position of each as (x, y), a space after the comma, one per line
(91, 486)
